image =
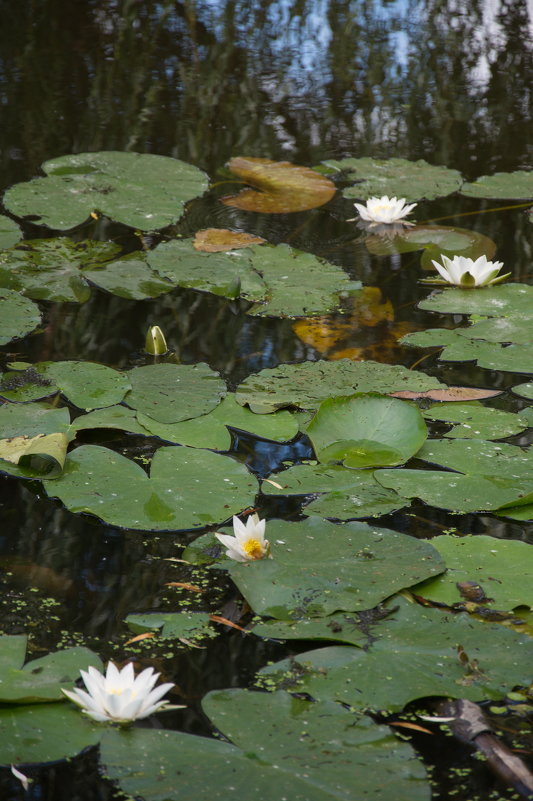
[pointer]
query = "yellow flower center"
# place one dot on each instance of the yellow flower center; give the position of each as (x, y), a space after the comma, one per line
(253, 548)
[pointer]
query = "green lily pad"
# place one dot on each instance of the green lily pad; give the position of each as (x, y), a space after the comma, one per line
(276, 741)
(41, 455)
(476, 421)
(505, 185)
(229, 275)
(88, 385)
(18, 316)
(169, 393)
(347, 494)
(41, 679)
(129, 277)
(414, 654)
(30, 421)
(137, 189)
(10, 232)
(503, 568)
(479, 457)
(187, 488)
(211, 430)
(37, 733)
(192, 626)
(51, 269)
(524, 390)
(492, 301)
(517, 329)
(307, 384)
(412, 180)
(27, 382)
(342, 627)
(119, 417)
(366, 431)
(455, 491)
(435, 241)
(318, 568)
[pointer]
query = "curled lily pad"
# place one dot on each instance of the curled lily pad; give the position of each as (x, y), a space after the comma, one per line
(187, 488)
(41, 455)
(51, 269)
(18, 316)
(281, 186)
(307, 384)
(10, 232)
(138, 189)
(412, 180)
(318, 568)
(366, 431)
(505, 185)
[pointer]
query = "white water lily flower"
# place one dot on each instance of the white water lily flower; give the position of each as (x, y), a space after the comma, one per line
(464, 272)
(385, 210)
(119, 696)
(249, 541)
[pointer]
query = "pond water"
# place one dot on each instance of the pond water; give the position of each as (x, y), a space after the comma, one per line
(305, 81)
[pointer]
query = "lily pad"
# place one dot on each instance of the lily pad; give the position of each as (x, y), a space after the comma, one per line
(169, 393)
(479, 457)
(41, 455)
(414, 655)
(192, 626)
(214, 240)
(129, 278)
(276, 741)
(88, 385)
(503, 569)
(524, 390)
(41, 679)
(281, 186)
(476, 421)
(37, 733)
(517, 329)
(119, 417)
(505, 185)
(229, 275)
(366, 431)
(18, 316)
(348, 495)
(51, 269)
(137, 189)
(412, 180)
(434, 241)
(211, 430)
(342, 627)
(455, 491)
(318, 568)
(307, 384)
(493, 301)
(187, 488)
(10, 232)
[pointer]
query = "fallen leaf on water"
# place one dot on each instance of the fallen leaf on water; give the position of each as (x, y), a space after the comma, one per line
(450, 394)
(226, 622)
(184, 586)
(412, 725)
(213, 240)
(146, 636)
(281, 186)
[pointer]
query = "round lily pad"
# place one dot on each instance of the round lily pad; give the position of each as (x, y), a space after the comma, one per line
(187, 488)
(18, 316)
(10, 232)
(129, 278)
(412, 180)
(138, 189)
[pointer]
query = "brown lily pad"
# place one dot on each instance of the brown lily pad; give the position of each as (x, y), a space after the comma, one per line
(450, 394)
(214, 240)
(281, 187)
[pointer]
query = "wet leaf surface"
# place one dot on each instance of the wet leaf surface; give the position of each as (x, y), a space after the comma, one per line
(505, 185)
(18, 316)
(213, 240)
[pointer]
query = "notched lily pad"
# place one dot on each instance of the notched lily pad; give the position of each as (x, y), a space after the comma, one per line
(281, 186)
(187, 488)
(412, 180)
(137, 189)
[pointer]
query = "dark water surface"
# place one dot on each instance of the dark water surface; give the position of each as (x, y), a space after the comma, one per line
(444, 80)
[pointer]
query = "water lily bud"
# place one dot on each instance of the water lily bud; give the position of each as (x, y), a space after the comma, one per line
(156, 343)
